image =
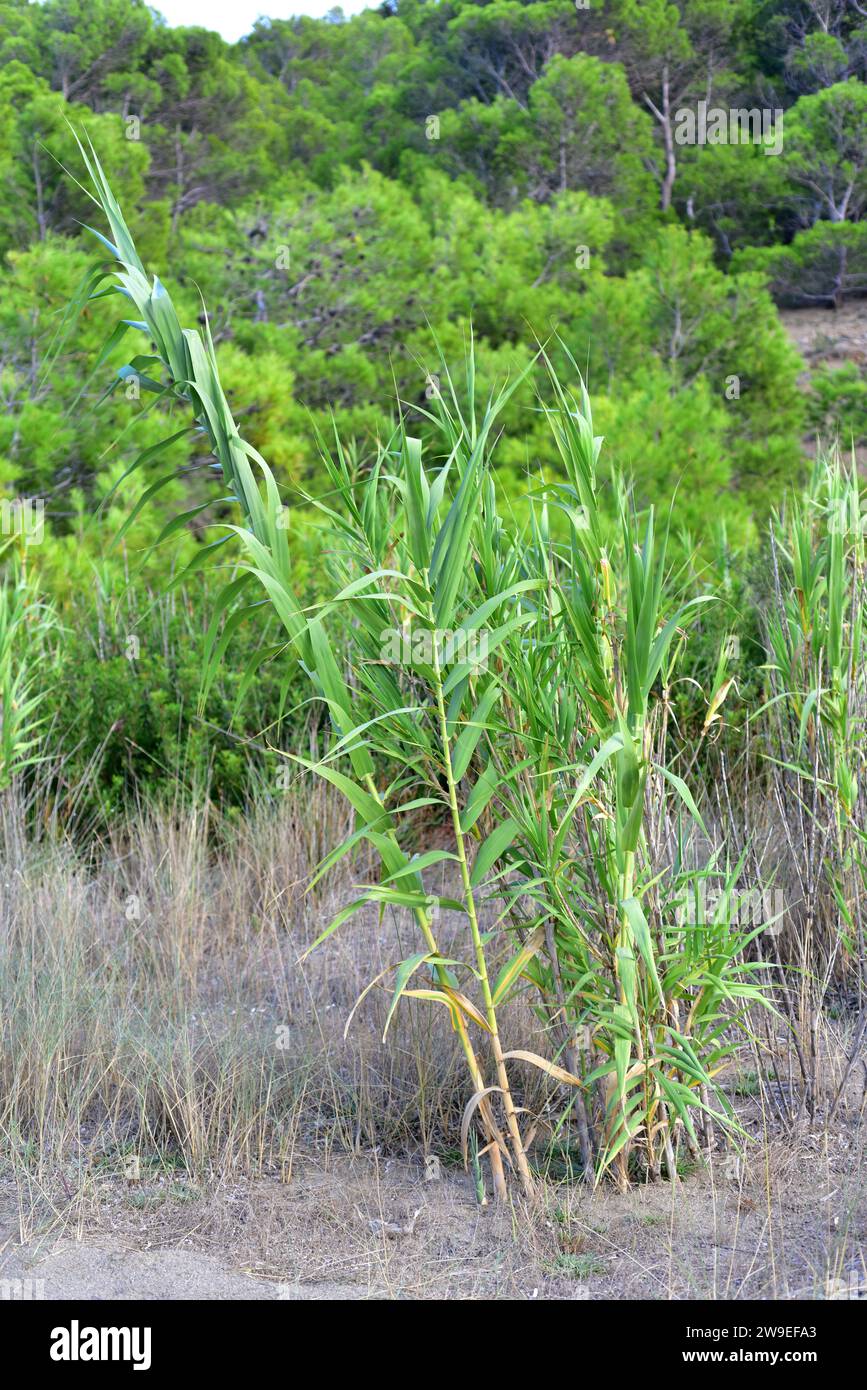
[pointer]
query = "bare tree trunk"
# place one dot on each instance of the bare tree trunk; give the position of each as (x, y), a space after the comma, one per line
(668, 140)
(840, 280)
(662, 114)
(40, 199)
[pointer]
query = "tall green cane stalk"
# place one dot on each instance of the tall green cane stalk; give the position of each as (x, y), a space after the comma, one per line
(517, 1143)
(436, 528)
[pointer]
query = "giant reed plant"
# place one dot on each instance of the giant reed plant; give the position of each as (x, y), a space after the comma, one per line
(423, 580)
(814, 727)
(506, 682)
(641, 984)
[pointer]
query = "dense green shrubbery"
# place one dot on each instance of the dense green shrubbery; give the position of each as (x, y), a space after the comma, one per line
(350, 197)
(337, 189)
(124, 715)
(838, 406)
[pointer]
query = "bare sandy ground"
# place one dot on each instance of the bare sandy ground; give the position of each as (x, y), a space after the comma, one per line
(112, 1270)
(788, 1221)
(829, 335)
(323, 1235)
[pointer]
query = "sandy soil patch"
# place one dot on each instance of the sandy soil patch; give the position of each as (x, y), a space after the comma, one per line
(788, 1221)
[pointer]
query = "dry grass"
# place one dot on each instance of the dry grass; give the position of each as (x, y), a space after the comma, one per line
(149, 1106)
(154, 1008)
